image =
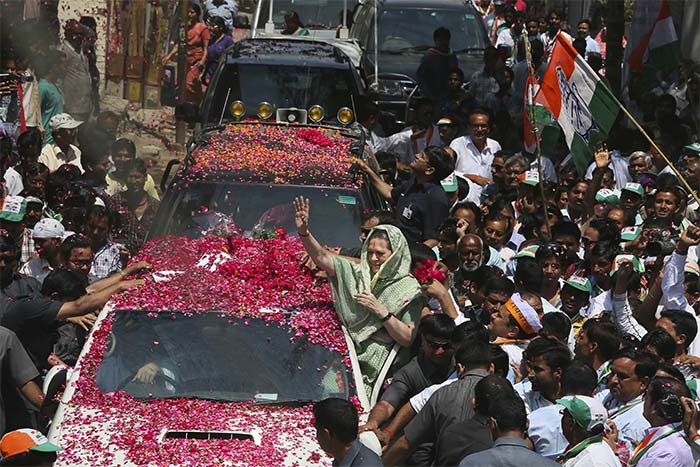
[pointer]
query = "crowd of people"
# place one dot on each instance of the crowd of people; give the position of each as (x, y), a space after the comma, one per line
(508, 314)
(510, 310)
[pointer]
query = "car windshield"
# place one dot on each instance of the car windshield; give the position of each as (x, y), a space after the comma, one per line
(282, 86)
(198, 207)
(314, 14)
(411, 30)
(215, 356)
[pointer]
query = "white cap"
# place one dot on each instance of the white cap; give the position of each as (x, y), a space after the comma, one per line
(49, 228)
(61, 121)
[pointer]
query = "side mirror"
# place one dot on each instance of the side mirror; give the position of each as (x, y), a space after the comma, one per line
(189, 112)
(54, 382)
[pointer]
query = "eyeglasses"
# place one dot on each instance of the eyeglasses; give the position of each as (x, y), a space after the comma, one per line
(437, 345)
(551, 249)
(81, 262)
(587, 241)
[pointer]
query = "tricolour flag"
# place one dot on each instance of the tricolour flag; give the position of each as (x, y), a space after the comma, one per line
(658, 51)
(535, 112)
(582, 104)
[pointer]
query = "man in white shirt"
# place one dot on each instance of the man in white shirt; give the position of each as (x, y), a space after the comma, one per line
(61, 151)
(48, 234)
(76, 82)
(476, 150)
(546, 360)
(413, 140)
(584, 32)
(583, 424)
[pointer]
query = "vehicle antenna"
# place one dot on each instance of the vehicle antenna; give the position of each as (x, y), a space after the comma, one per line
(376, 52)
(223, 110)
(352, 101)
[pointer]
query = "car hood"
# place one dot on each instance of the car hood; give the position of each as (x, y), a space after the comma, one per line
(407, 63)
(124, 431)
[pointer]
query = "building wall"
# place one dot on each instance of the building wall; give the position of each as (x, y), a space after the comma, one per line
(98, 9)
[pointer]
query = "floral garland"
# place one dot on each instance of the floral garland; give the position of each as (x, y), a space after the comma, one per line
(257, 274)
(276, 153)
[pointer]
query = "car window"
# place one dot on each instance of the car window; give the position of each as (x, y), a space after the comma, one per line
(314, 14)
(217, 356)
(282, 86)
(409, 30)
(256, 208)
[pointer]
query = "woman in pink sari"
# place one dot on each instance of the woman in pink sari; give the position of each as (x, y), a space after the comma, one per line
(197, 42)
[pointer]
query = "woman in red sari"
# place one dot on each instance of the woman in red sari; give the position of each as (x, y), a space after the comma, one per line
(197, 42)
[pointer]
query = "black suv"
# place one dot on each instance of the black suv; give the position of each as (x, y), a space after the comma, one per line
(405, 33)
(283, 72)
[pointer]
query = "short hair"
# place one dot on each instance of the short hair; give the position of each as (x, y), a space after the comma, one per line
(470, 330)
(338, 416)
(662, 342)
(72, 242)
(683, 323)
(585, 21)
(448, 229)
(384, 217)
(646, 363)
(420, 252)
(138, 165)
(566, 228)
(497, 283)
(470, 206)
(556, 325)
(516, 159)
(607, 250)
(671, 370)
(30, 137)
(7, 244)
(579, 378)
(628, 216)
(124, 144)
(440, 161)
(218, 21)
(442, 32)
(664, 394)
(528, 275)
(554, 353)
(98, 212)
(509, 413)
(498, 217)
(607, 230)
(491, 388)
(437, 325)
(458, 71)
(475, 355)
(604, 334)
(480, 110)
(500, 360)
(648, 160)
(66, 284)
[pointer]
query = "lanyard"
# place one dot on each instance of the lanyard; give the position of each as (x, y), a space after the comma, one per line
(647, 444)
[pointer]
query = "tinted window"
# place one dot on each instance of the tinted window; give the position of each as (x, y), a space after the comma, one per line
(219, 357)
(314, 14)
(190, 210)
(409, 30)
(282, 86)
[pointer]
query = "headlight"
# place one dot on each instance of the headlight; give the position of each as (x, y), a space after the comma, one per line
(345, 115)
(390, 87)
(237, 109)
(316, 113)
(264, 110)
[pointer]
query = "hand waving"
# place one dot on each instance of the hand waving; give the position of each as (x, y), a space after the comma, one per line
(301, 215)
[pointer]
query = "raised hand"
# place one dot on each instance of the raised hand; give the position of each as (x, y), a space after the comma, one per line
(301, 215)
(602, 156)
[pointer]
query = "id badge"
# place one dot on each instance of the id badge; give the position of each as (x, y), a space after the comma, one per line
(407, 213)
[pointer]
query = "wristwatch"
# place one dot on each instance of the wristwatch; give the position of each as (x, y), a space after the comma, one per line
(387, 317)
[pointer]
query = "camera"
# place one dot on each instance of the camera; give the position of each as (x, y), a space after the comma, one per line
(661, 242)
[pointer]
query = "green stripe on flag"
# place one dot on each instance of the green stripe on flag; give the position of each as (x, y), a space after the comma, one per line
(604, 107)
(582, 153)
(666, 58)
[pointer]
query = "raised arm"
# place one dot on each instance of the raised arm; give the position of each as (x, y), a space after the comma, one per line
(602, 161)
(622, 313)
(319, 255)
(382, 187)
(117, 277)
(672, 283)
(94, 301)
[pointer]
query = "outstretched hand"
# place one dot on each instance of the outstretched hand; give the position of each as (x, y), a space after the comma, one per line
(602, 156)
(301, 215)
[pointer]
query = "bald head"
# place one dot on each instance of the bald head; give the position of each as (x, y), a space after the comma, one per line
(471, 252)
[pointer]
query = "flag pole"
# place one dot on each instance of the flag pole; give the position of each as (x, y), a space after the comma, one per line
(670, 164)
(535, 130)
